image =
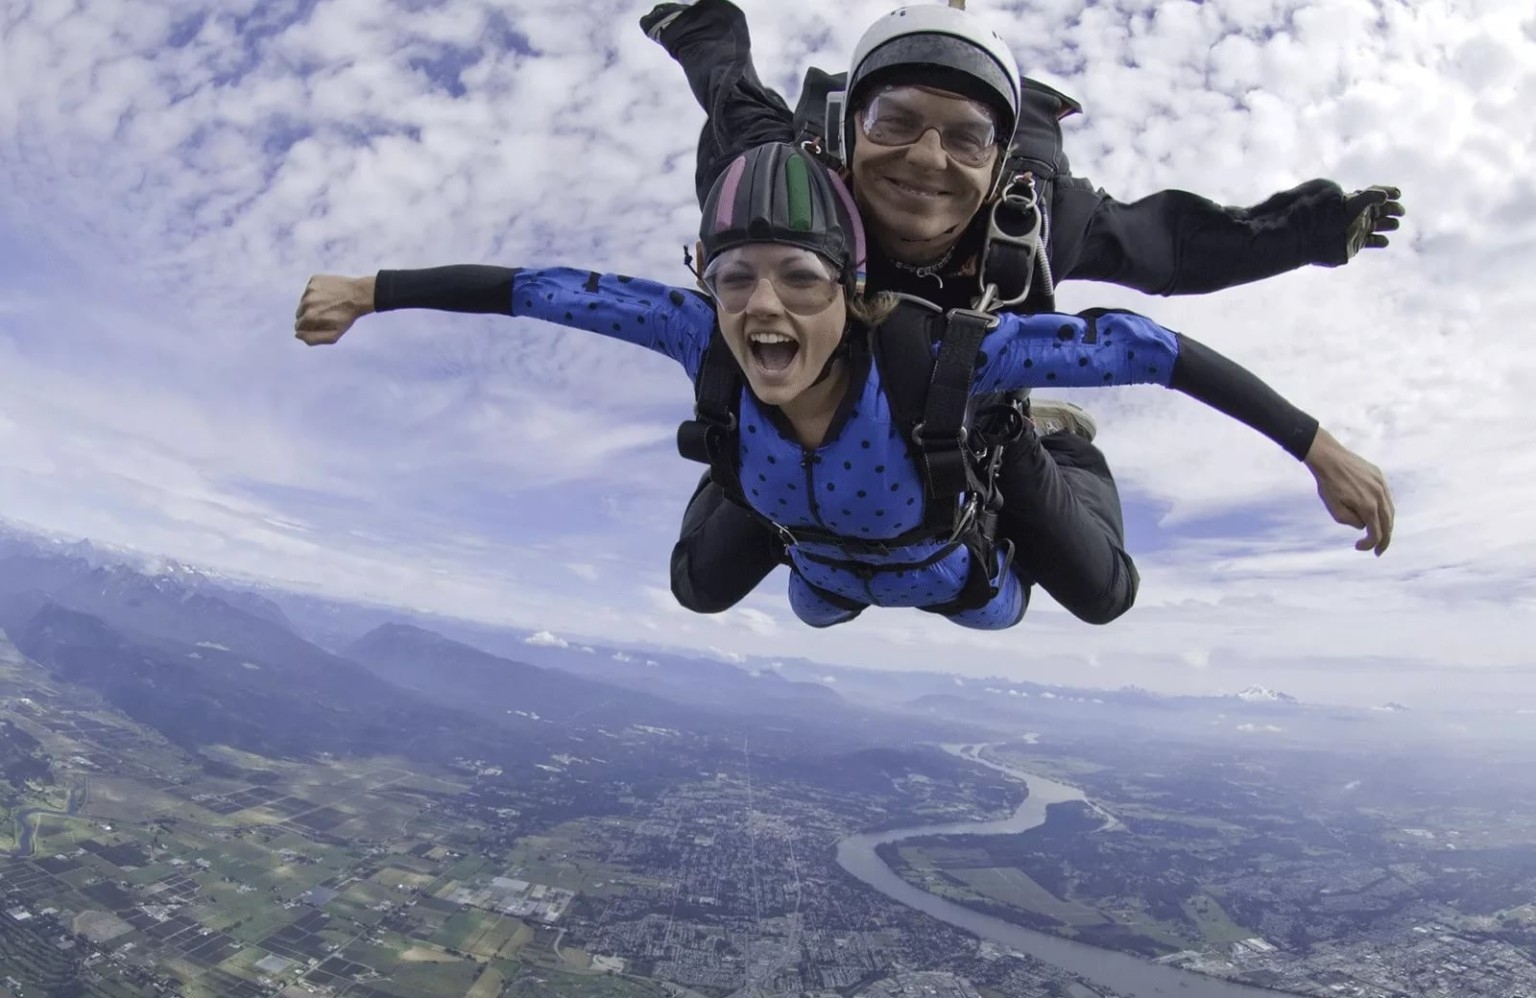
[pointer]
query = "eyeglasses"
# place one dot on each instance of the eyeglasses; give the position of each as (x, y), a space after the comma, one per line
(803, 284)
(893, 118)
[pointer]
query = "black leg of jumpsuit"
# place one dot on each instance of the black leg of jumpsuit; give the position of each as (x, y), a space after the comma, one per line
(1061, 509)
(711, 42)
(722, 553)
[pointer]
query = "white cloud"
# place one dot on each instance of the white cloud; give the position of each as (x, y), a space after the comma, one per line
(170, 173)
(587, 573)
(544, 639)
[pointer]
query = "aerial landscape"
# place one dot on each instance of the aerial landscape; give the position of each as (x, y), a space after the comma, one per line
(201, 799)
(767, 499)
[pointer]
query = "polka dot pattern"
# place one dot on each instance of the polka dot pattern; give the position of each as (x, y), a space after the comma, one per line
(646, 313)
(1095, 349)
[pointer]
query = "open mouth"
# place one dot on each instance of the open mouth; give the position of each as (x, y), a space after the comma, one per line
(773, 352)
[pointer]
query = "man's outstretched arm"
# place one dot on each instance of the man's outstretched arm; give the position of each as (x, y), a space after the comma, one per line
(710, 40)
(1178, 243)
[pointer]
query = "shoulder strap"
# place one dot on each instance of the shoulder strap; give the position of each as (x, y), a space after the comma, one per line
(710, 436)
(942, 436)
(930, 397)
(903, 349)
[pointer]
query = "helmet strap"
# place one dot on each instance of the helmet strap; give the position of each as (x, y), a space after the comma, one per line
(695, 263)
(844, 348)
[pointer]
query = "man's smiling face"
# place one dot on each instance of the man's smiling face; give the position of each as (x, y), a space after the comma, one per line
(916, 198)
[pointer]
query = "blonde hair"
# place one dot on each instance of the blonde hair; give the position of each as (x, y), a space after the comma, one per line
(871, 310)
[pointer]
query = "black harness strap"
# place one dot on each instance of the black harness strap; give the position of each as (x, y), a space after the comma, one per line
(710, 436)
(942, 438)
(981, 584)
(903, 349)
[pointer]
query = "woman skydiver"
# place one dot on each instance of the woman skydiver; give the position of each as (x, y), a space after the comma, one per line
(922, 79)
(817, 450)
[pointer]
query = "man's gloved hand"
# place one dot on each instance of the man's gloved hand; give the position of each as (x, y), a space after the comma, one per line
(1371, 213)
(662, 15)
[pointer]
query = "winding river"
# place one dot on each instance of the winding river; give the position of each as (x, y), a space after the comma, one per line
(1121, 972)
(27, 829)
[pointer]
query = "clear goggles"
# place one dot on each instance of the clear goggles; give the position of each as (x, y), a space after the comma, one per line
(900, 116)
(804, 282)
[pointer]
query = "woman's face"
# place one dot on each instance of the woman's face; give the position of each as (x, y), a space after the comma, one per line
(922, 165)
(782, 311)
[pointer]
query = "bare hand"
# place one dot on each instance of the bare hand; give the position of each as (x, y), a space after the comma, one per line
(1354, 490)
(329, 306)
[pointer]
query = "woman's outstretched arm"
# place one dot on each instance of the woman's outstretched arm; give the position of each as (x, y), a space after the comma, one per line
(668, 320)
(1105, 347)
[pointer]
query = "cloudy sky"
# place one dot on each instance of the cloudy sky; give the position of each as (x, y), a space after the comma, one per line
(172, 171)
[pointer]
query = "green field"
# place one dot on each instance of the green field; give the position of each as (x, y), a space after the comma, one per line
(463, 929)
(424, 980)
(1215, 925)
(1014, 888)
(529, 981)
(561, 860)
(943, 857)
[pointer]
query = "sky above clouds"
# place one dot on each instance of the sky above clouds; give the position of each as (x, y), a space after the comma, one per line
(171, 172)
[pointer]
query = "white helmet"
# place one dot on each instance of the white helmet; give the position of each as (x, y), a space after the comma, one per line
(943, 46)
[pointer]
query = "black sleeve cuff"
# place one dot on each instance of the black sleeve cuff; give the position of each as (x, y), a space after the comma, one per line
(1228, 387)
(459, 288)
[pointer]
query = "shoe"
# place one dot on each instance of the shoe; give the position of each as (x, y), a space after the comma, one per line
(1051, 416)
(662, 15)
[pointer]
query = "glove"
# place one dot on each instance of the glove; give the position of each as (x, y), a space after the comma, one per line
(1371, 212)
(660, 17)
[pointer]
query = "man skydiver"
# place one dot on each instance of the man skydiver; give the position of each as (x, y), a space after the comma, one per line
(920, 78)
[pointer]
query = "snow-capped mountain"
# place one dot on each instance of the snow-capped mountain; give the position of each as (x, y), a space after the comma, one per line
(1263, 694)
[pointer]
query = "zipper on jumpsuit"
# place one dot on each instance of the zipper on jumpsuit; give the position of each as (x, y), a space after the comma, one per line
(808, 458)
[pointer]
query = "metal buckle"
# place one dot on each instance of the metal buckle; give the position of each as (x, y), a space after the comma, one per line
(1028, 202)
(925, 442)
(787, 538)
(965, 517)
(975, 313)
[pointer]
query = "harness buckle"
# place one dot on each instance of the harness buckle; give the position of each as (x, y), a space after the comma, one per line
(965, 519)
(1013, 222)
(928, 444)
(1000, 423)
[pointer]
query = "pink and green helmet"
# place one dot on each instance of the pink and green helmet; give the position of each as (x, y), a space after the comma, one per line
(781, 193)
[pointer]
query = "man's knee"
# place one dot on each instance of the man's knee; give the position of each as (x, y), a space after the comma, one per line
(705, 502)
(1112, 604)
(689, 595)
